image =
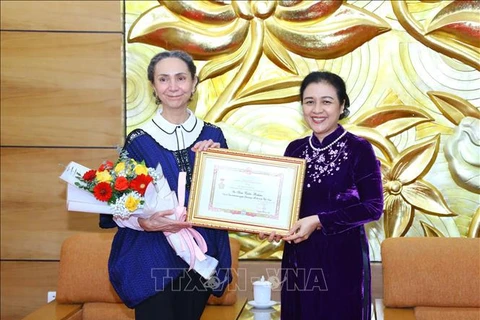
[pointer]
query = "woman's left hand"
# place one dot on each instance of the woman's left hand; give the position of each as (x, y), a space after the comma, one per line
(302, 229)
(204, 145)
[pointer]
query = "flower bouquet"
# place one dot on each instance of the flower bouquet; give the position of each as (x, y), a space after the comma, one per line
(128, 189)
(114, 188)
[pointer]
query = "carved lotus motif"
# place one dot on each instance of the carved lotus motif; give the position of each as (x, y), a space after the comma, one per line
(236, 34)
(453, 31)
(462, 151)
(405, 191)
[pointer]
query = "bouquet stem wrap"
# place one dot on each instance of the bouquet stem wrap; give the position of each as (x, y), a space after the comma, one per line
(188, 243)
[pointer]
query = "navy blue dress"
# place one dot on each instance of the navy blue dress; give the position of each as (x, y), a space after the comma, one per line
(327, 276)
(143, 263)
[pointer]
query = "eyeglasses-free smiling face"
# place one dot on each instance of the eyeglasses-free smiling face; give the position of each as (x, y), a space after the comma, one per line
(321, 108)
(173, 83)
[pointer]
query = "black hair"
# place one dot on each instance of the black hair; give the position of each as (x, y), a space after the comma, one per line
(332, 79)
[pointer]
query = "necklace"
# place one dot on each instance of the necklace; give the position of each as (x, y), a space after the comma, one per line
(325, 148)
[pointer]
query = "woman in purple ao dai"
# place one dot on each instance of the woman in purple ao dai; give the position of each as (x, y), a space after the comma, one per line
(325, 265)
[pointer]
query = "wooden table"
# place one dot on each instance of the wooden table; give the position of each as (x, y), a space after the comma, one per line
(251, 313)
(273, 313)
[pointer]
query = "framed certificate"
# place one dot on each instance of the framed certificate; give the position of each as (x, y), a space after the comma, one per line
(245, 192)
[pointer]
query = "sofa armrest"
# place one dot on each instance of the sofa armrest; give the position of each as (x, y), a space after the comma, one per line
(385, 313)
(54, 311)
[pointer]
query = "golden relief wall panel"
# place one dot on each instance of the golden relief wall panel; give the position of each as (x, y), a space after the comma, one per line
(412, 73)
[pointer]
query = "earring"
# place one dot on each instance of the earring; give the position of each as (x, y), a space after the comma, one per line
(345, 113)
(157, 99)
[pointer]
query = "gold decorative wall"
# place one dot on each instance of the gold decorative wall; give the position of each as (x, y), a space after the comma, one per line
(412, 73)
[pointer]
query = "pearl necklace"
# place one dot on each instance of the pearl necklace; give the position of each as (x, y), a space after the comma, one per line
(325, 148)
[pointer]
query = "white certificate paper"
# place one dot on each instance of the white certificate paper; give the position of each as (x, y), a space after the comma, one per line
(249, 191)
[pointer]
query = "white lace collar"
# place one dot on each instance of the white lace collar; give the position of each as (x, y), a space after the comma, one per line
(172, 136)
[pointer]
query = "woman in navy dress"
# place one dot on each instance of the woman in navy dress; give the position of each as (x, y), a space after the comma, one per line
(325, 265)
(145, 271)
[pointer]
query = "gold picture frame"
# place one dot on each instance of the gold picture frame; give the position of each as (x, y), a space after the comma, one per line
(246, 192)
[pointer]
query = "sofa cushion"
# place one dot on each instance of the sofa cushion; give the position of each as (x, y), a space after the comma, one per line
(229, 297)
(444, 313)
(431, 272)
(83, 272)
(107, 311)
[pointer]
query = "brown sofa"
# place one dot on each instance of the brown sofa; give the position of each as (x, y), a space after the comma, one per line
(430, 279)
(84, 291)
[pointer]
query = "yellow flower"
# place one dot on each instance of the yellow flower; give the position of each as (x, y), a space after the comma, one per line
(131, 203)
(103, 176)
(141, 169)
(120, 167)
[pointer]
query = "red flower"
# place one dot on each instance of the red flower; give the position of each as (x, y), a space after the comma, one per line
(89, 175)
(140, 183)
(102, 191)
(106, 165)
(121, 184)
